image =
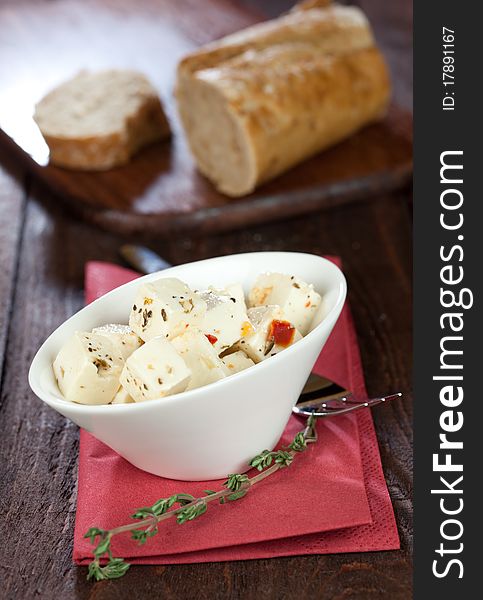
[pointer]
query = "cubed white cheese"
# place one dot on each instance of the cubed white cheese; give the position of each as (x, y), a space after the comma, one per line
(87, 369)
(236, 362)
(258, 342)
(165, 307)
(298, 300)
(122, 397)
(200, 357)
(224, 319)
(122, 336)
(154, 370)
(233, 290)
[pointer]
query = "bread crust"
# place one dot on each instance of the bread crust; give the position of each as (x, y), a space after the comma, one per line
(292, 86)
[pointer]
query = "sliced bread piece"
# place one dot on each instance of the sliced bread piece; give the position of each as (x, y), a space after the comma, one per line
(98, 120)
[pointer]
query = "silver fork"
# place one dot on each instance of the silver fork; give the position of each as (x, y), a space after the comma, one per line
(338, 405)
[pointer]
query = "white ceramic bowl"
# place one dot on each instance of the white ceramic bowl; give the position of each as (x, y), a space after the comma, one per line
(215, 430)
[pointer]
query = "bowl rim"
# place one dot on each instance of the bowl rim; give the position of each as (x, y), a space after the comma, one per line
(58, 403)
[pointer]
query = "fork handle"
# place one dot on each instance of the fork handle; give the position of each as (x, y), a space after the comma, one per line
(305, 407)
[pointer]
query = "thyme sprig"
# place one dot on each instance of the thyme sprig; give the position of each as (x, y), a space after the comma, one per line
(186, 507)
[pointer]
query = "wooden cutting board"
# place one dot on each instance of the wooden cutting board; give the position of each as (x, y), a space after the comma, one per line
(160, 191)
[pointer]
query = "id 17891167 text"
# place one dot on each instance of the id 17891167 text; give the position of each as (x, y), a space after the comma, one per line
(448, 69)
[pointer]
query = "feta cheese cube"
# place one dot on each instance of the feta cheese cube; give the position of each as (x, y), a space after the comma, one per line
(298, 300)
(236, 362)
(122, 336)
(224, 319)
(233, 290)
(122, 397)
(200, 357)
(87, 369)
(165, 307)
(154, 370)
(260, 342)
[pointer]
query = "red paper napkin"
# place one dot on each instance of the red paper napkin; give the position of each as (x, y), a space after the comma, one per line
(328, 501)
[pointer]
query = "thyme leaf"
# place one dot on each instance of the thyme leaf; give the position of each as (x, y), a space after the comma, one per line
(103, 546)
(114, 569)
(262, 461)
(283, 458)
(235, 481)
(236, 495)
(141, 535)
(299, 443)
(191, 512)
(92, 533)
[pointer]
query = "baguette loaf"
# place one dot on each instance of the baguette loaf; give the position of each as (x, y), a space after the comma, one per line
(257, 102)
(96, 121)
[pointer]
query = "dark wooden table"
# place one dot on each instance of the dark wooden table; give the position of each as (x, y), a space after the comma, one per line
(43, 250)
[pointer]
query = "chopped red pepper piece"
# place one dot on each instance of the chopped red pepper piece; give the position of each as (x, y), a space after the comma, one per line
(281, 332)
(211, 338)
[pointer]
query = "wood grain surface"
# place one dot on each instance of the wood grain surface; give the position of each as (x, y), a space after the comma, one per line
(43, 249)
(160, 190)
